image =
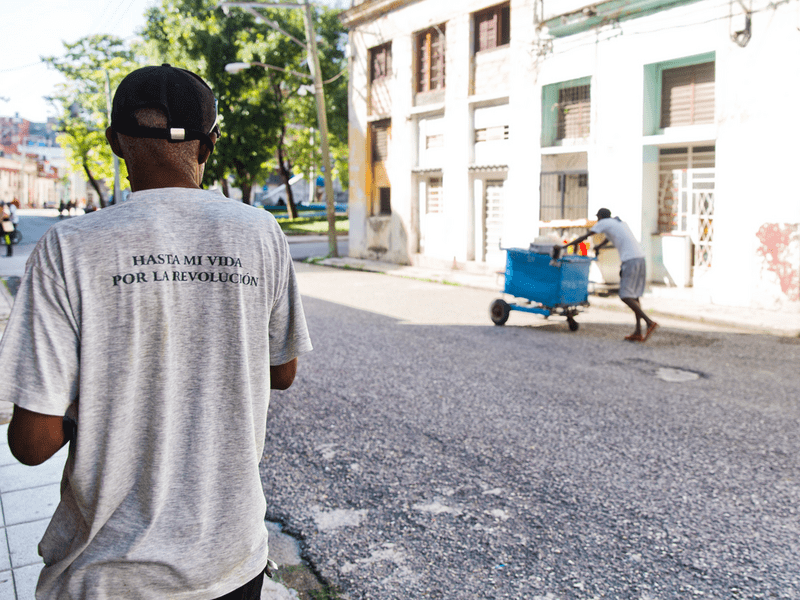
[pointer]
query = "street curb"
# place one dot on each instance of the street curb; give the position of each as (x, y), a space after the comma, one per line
(484, 282)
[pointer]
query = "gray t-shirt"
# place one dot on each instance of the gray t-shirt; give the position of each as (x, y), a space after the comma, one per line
(154, 323)
(621, 236)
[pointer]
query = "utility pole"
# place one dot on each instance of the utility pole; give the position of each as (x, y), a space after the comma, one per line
(322, 118)
(319, 93)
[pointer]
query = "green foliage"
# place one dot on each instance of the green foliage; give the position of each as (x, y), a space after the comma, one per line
(82, 101)
(261, 109)
(313, 225)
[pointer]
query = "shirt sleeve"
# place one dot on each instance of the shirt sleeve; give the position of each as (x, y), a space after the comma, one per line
(40, 348)
(288, 331)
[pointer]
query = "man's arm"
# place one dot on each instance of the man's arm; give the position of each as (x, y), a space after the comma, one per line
(34, 437)
(578, 240)
(282, 376)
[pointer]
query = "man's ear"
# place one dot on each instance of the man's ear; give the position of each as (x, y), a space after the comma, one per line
(113, 141)
(203, 153)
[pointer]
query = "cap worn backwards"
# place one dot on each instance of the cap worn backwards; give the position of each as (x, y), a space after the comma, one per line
(186, 100)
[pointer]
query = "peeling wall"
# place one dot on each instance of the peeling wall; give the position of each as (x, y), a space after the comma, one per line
(779, 249)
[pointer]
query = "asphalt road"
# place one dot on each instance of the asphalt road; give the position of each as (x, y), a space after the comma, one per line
(425, 453)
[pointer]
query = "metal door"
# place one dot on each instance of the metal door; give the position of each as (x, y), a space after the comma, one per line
(493, 201)
(686, 199)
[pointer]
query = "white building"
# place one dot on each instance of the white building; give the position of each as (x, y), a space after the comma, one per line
(475, 124)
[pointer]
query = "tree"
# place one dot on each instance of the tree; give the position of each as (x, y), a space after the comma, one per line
(195, 35)
(82, 102)
(267, 122)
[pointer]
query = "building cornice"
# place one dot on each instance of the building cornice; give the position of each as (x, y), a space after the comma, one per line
(603, 12)
(369, 10)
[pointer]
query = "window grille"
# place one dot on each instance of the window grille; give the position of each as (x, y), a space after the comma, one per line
(686, 197)
(492, 27)
(380, 62)
(433, 199)
(574, 112)
(430, 59)
(563, 195)
(687, 95)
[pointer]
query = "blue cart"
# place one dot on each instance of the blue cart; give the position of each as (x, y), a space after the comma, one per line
(544, 286)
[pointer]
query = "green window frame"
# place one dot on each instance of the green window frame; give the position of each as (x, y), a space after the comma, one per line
(653, 82)
(551, 109)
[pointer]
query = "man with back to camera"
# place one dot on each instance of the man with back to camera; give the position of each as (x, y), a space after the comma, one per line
(632, 274)
(159, 326)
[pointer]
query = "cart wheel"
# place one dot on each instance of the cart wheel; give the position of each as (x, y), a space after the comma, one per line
(573, 324)
(499, 311)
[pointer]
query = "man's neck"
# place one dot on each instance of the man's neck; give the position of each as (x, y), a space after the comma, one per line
(150, 180)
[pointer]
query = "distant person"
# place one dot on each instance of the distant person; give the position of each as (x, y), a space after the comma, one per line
(148, 335)
(633, 275)
(8, 228)
(13, 207)
(320, 188)
(61, 208)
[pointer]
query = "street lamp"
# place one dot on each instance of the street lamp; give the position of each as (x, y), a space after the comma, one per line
(319, 92)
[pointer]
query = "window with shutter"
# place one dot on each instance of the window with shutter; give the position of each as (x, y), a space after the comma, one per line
(492, 27)
(430, 59)
(380, 62)
(687, 95)
(380, 141)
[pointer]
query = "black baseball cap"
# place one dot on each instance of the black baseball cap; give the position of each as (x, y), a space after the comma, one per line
(186, 100)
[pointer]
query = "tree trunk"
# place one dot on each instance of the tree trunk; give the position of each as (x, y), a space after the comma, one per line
(95, 185)
(247, 189)
(225, 190)
(246, 180)
(291, 208)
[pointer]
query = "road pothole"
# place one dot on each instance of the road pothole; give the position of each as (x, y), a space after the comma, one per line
(676, 375)
(294, 579)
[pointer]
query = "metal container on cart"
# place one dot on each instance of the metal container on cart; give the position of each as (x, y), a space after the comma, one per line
(544, 285)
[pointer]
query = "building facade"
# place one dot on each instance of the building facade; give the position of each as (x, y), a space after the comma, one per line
(480, 125)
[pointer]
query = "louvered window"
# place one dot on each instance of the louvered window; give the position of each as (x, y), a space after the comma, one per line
(434, 141)
(492, 27)
(687, 95)
(430, 59)
(491, 134)
(433, 201)
(574, 112)
(380, 141)
(380, 62)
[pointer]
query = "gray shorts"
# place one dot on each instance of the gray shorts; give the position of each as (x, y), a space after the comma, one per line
(632, 276)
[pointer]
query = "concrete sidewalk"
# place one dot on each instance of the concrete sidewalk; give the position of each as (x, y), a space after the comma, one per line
(677, 303)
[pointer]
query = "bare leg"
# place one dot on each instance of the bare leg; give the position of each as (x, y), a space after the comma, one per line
(633, 304)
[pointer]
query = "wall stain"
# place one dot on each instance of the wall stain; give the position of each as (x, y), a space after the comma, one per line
(779, 248)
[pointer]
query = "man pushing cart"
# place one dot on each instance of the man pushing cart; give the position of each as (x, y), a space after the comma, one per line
(633, 269)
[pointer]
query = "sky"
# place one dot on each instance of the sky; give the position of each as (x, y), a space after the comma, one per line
(39, 27)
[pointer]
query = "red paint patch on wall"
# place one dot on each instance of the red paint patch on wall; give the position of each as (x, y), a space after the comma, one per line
(776, 249)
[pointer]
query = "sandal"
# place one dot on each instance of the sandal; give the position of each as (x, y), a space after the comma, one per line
(650, 330)
(634, 337)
